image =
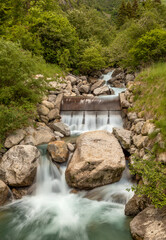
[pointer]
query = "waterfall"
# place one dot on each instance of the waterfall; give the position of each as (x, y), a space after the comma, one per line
(84, 121)
(54, 213)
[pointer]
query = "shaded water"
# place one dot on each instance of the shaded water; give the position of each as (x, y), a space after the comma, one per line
(53, 213)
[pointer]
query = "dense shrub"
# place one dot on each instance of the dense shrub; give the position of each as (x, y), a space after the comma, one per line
(154, 182)
(150, 48)
(19, 91)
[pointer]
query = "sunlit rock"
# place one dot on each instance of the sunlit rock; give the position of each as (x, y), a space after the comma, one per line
(98, 160)
(18, 166)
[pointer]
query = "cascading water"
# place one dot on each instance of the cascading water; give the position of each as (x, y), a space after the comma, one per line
(84, 121)
(107, 77)
(54, 213)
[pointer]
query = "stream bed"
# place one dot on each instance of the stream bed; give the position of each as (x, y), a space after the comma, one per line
(54, 213)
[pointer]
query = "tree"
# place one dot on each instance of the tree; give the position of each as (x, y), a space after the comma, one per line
(122, 14)
(134, 8)
(150, 47)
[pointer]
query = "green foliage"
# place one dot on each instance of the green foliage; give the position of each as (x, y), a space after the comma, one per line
(153, 174)
(58, 38)
(150, 47)
(152, 95)
(91, 24)
(19, 90)
(92, 59)
(132, 31)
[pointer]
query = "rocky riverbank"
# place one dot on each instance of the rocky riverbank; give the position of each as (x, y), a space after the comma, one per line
(96, 159)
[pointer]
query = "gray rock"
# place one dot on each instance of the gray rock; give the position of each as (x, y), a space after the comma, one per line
(18, 165)
(116, 72)
(162, 157)
(44, 119)
(130, 77)
(70, 147)
(102, 90)
(132, 116)
(98, 160)
(149, 224)
(124, 103)
(92, 80)
(148, 128)
(58, 134)
(123, 136)
(4, 193)
(138, 127)
(42, 110)
(48, 104)
(136, 204)
(15, 138)
(58, 151)
(61, 127)
(53, 114)
(140, 141)
(59, 101)
(72, 79)
(52, 98)
(41, 135)
(84, 88)
(97, 84)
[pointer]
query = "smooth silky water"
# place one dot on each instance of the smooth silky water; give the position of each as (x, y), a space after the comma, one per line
(54, 213)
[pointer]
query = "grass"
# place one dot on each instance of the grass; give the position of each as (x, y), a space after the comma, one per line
(151, 94)
(47, 69)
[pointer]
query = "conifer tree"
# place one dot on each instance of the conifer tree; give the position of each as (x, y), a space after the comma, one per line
(134, 8)
(122, 13)
(129, 10)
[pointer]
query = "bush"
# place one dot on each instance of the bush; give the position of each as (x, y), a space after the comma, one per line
(58, 38)
(150, 48)
(92, 59)
(19, 91)
(153, 174)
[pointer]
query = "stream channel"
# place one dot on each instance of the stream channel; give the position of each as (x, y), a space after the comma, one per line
(54, 213)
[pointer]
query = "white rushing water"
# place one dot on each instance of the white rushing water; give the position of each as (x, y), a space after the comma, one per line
(84, 121)
(54, 213)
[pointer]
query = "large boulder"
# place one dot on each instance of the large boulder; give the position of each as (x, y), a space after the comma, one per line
(4, 193)
(15, 138)
(18, 166)
(58, 151)
(104, 90)
(98, 160)
(136, 204)
(61, 127)
(149, 224)
(123, 136)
